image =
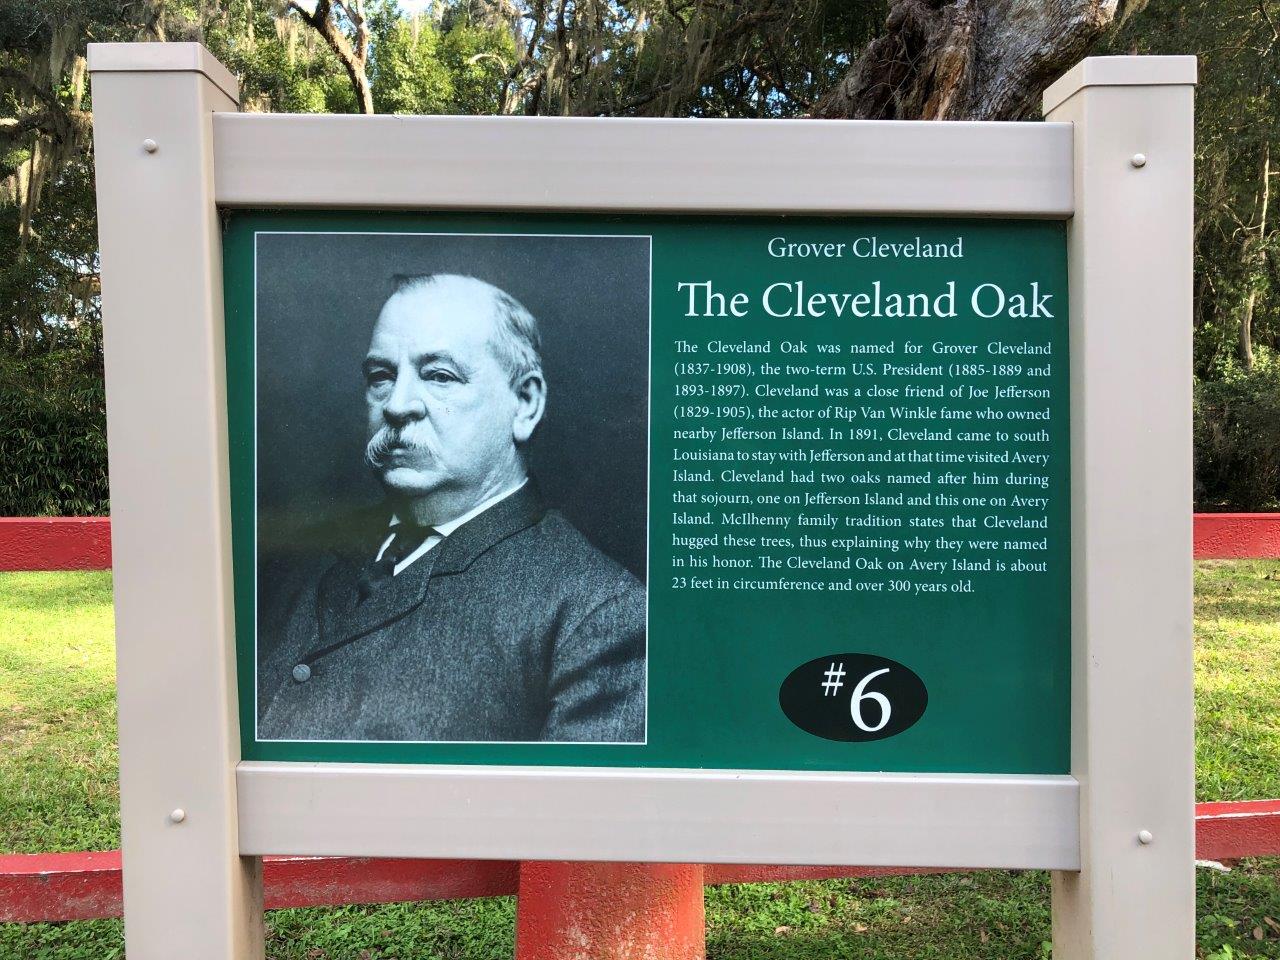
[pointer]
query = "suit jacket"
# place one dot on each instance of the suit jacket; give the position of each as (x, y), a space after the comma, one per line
(514, 628)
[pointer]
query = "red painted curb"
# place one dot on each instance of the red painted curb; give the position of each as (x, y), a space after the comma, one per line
(84, 543)
(1228, 831)
(59, 886)
(55, 543)
(86, 886)
(332, 881)
(1237, 536)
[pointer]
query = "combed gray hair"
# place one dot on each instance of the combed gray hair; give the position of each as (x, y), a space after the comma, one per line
(516, 339)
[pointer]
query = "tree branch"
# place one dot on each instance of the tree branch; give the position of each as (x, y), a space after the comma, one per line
(960, 60)
(355, 59)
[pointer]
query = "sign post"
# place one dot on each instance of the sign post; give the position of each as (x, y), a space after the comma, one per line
(686, 492)
(1132, 747)
(619, 910)
(187, 889)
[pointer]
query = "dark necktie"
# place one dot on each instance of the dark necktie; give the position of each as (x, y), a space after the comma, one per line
(405, 538)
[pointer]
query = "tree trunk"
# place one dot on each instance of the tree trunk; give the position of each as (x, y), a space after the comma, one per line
(352, 51)
(968, 59)
(1245, 345)
(1256, 261)
(359, 85)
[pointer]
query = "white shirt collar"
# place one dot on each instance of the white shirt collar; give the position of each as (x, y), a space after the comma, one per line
(447, 529)
(442, 529)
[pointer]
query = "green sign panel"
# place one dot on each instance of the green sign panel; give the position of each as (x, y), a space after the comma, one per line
(748, 493)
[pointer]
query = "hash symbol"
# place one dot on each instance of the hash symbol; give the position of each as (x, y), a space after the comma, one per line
(832, 681)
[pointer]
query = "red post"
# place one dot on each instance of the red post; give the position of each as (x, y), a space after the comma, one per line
(610, 911)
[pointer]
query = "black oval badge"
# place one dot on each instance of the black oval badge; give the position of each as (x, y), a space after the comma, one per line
(855, 697)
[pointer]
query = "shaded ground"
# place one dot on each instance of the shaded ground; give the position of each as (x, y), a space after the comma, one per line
(57, 792)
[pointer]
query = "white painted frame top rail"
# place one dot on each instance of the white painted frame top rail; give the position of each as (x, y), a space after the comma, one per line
(828, 167)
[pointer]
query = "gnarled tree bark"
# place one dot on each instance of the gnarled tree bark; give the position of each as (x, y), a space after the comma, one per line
(969, 59)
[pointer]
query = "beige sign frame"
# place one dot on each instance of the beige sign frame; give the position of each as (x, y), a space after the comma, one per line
(1114, 160)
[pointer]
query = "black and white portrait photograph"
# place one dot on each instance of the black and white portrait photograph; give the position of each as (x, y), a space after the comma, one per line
(451, 487)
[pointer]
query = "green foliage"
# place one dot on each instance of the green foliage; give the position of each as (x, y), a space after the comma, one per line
(477, 59)
(58, 769)
(52, 419)
(1237, 657)
(49, 281)
(1237, 435)
(53, 444)
(53, 441)
(786, 64)
(699, 58)
(686, 58)
(1237, 142)
(283, 66)
(407, 75)
(424, 67)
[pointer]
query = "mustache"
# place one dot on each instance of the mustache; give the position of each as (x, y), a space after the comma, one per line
(390, 438)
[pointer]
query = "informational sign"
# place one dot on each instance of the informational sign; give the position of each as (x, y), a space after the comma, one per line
(680, 492)
(677, 492)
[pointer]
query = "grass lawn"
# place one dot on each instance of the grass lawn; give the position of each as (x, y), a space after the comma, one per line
(57, 792)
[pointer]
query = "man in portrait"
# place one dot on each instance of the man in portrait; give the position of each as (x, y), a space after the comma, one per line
(459, 608)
